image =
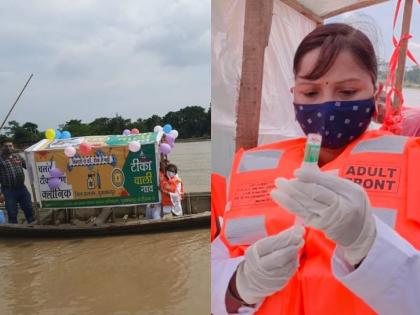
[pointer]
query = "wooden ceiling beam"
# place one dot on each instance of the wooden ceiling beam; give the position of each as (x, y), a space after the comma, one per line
(352, 7)
(304, 11)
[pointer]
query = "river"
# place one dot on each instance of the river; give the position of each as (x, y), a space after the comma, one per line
(165, 273)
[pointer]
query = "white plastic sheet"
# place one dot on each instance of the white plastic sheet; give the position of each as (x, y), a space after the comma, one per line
(277, 117)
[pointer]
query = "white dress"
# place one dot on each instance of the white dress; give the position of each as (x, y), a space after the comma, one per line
(388, 280)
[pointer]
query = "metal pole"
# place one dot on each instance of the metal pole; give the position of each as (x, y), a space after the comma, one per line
(17, 99)
(405, 29)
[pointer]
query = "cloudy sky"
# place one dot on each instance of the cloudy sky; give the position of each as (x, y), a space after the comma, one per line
(96, 58)
(377, 21)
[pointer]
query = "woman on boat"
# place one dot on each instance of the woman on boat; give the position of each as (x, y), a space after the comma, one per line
(154, 211)
(358, 253)
(172, 190)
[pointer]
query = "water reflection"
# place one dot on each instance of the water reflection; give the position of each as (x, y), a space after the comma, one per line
(164, 273)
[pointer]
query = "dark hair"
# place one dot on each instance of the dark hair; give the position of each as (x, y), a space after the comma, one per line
(332, 39)
(5, 140)
(171, 167)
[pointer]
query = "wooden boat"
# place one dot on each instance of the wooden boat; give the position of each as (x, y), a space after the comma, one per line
(64, 223)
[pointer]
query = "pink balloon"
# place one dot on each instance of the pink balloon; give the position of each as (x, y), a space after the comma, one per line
(69, 151)
(55, 172)
(135, 131)
(85, 148)
(54, 182)
(134, 146)
(170, 138)
(165, 148)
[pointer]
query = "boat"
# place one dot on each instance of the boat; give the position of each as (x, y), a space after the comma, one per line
(76, 223)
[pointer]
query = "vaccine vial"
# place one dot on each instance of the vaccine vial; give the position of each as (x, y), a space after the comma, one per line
(312, 149)
(310, 158)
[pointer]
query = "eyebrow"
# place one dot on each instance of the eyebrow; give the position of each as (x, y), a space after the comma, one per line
(308, 82)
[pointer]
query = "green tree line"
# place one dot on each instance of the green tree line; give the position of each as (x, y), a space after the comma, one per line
(411, 76)
(190, 121)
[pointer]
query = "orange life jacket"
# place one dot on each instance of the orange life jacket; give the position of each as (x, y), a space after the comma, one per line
(218, 202)
(169, 186)
(387, 166)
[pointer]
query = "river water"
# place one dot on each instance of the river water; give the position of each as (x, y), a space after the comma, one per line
(165, 273)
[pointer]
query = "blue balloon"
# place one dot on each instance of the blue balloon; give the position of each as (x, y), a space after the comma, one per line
(167, 128)
(57, 134)
(65, 134)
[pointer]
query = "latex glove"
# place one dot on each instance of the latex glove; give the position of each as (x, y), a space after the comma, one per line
(332, 204)
(269, 264)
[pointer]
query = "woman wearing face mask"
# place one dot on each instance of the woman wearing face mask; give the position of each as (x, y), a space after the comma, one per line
(361, 209)
(172, 191)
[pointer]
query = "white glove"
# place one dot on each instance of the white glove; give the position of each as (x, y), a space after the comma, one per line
(269, 264)
(332, 204)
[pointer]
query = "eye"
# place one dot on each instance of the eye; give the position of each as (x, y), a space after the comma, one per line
(348, 92)
(310, 93)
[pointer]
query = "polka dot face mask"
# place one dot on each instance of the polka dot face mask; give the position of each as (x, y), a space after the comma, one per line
(339, 122)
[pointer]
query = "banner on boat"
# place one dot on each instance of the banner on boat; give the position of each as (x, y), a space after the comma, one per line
(109, 175)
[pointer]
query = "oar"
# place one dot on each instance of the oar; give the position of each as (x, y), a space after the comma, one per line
(17, 99)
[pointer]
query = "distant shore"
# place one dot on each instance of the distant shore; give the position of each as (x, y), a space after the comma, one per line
(194, 139)
(411, 86)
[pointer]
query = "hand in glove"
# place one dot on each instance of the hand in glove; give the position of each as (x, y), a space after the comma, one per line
(269, 264)
(332, 204)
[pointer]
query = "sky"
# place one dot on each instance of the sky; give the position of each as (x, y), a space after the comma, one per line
(377, 21)
(96, 58)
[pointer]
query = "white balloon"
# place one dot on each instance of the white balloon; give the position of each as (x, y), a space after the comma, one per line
(174, 133)
(157, 128)
(134, 146)
(70, 151)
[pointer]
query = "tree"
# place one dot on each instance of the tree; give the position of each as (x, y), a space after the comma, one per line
(100, 126)
(76, 128)
(150, 123)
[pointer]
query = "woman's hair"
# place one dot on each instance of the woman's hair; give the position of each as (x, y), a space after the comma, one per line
(332, 39)
(171, 168)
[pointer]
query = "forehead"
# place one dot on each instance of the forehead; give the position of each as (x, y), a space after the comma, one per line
(344, 66)
(8, 144)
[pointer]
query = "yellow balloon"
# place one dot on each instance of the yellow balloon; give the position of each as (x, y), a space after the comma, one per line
(50, 134)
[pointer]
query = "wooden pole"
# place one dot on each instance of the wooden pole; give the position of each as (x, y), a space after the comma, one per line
(405, 29)
(257, 26)
(17, 99)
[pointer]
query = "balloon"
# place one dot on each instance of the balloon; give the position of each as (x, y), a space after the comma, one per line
(65, 134)
(126, 132)
(134, 146)
(57, 134)
(50, 134)
(69, 151)
(135, 131)
(174, 133)
(165, 148)
(85, 148)
(170, 138)
(157, 129)
(55, 172)
(54, 182)
(167, 128)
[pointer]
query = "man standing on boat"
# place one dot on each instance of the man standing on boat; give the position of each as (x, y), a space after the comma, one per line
(12, 181)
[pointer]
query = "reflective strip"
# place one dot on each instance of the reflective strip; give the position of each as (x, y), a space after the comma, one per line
(259, 160)
(383, 144)
(386, 215)
(245, 231)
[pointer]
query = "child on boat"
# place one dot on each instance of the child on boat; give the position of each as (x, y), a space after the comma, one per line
(172, 190)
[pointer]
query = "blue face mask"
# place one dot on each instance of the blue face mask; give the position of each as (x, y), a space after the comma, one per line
(339, 122)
